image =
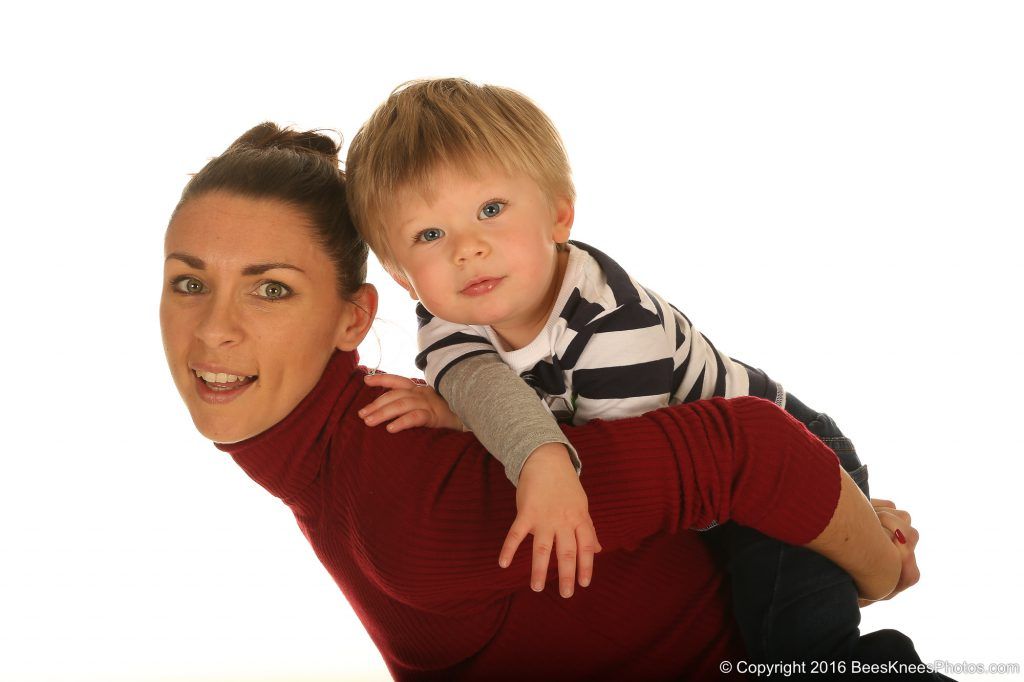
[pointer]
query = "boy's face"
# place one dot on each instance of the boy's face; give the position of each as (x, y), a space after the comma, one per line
(482, 250)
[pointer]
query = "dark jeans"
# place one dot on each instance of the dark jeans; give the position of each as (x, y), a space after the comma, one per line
(795, 605)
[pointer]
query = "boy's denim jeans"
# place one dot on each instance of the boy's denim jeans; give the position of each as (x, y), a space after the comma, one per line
(794, 605)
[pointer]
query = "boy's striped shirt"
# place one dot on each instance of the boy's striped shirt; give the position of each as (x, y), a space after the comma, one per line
(610, 349)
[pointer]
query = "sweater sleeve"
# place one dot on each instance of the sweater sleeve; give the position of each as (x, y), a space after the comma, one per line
(460, 363)
(502, 411)
(432, 523)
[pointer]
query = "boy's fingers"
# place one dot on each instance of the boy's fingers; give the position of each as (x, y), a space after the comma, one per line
(398, 403)
(372, 407)
(382, 400)
(407, 421)
(586, 547)
(516, 534)
(541, 556)
(565, 553)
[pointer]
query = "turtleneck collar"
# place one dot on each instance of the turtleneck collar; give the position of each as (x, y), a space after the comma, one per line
(286, 458)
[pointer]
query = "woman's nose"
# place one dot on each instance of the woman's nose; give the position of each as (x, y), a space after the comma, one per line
(219, 326)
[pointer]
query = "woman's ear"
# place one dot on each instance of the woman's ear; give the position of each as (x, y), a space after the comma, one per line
(355, 322)
(565, 212)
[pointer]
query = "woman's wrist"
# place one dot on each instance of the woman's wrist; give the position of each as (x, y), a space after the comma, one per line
(856, 541)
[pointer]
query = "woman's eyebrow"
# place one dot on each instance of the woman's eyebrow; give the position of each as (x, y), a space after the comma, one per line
(255, 269)
(188, 260)
(260, 268)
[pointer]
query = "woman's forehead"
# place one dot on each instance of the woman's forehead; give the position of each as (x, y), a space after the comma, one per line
(229, 227)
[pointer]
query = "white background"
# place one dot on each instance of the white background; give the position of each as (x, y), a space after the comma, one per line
(832, 192)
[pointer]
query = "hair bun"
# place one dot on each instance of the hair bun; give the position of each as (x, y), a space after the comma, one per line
(269, 135)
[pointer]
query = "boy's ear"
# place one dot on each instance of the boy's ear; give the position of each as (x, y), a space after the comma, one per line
(403, 282)
(565, 212)
(356, 320)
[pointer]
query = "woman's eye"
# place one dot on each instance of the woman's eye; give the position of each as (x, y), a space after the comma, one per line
(188, 285)
(273, 291)
(491, 209)
(430, 235)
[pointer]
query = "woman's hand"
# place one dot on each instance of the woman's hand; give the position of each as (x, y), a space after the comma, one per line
(408, 404)
(905, 537)
(553, 508)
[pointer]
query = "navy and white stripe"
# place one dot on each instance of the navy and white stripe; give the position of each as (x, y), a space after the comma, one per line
(610, 349)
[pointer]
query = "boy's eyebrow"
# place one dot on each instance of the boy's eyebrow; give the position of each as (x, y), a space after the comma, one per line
(255, 269)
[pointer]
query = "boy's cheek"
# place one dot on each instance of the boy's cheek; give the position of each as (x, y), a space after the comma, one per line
(402, 281)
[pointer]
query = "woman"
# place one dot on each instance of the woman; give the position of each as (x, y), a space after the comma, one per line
(263, 307)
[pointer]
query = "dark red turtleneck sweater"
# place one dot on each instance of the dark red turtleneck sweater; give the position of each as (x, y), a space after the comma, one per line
(410, 524)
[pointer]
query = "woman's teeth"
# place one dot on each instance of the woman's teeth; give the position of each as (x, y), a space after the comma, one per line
(219, 378)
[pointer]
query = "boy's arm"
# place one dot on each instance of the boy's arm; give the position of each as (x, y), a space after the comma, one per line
(503, 412)
(460, 363)
(509, 419)
(493, 403)
(513, 424)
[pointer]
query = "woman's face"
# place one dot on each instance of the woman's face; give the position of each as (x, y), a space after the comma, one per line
(250, 312)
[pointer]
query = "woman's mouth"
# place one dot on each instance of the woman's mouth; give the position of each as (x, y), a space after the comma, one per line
(221, 387)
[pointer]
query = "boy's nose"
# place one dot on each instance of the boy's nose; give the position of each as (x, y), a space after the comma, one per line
(470, 247)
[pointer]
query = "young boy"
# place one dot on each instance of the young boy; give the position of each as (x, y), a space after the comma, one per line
(464, 193)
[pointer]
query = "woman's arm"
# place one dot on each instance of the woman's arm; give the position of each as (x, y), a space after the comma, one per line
(855, 540)
(680, 467)
(551, 506)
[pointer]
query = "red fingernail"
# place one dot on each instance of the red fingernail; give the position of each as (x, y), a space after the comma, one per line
(900, 537)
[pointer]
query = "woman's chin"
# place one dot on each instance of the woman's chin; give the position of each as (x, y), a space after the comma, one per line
(218, 413)
(224, 423)
(222, 429)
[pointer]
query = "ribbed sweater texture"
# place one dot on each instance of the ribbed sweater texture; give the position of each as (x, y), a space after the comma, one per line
(410, 524)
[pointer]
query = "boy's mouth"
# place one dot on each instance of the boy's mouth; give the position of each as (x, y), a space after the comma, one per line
(478, 286)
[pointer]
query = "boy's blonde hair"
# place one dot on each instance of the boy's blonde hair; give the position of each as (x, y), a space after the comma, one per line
(428, 124)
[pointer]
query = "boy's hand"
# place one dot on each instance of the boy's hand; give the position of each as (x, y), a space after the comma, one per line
(553, 507)
(893, 520)
(408, 404)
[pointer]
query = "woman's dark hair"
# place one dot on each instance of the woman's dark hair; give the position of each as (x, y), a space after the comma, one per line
(300, 169)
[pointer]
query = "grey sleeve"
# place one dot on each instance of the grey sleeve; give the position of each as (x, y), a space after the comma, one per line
(503, 412)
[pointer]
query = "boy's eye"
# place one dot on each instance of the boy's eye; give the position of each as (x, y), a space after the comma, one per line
(273, 291)
(188, 285)
(430, 235)
(491, 209)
